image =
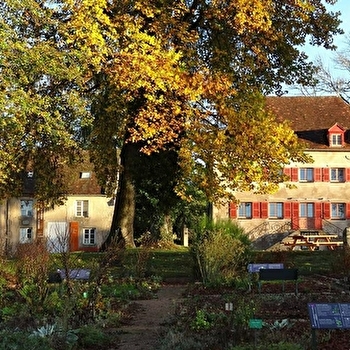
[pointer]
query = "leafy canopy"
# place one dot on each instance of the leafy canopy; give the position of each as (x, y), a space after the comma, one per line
(186, 75)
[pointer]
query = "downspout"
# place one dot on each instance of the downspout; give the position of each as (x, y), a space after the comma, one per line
(7, 225)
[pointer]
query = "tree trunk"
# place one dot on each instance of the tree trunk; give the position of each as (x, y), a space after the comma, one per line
(124, 210)
(166, 230)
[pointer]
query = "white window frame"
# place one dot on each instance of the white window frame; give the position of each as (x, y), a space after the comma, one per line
(27, 207)
(25, 234)
(245, 210)
(276, 210)
(89, 236)
(338, 211)
(336, 140)
(82, 208)
(85, 175)
(337, 174)
(306, 174)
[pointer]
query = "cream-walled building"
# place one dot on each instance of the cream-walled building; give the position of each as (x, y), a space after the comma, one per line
(82, 223)
(321, 197)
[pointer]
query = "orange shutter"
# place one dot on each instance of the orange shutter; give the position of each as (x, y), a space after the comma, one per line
(326, 210)
(288, 172)
(233, 210)
(347, 172)
(348, 210)
(74, 236)
(295, 174)
(318, 216)
(318, 174)
(287, 208)
(256, 210)
(264, 213)
(325, 175)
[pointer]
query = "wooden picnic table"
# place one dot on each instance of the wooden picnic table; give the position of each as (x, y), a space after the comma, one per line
(314, 241)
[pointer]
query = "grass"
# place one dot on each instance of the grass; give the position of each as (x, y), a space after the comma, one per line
(178, 262)
(164, 263)
(308, 262)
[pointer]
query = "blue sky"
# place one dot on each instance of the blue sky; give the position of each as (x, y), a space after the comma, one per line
(327, 56)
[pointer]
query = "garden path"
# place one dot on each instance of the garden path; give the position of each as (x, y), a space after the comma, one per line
(150, 319)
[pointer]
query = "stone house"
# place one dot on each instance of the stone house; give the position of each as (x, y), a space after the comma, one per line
(321, 197)
(81, 223)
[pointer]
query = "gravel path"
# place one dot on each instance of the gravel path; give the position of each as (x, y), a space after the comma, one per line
(145, 329)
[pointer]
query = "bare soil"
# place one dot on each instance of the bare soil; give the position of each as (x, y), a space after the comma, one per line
(149, 319)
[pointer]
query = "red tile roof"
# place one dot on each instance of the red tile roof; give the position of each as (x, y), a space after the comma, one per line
(311, 117)
(83, 186)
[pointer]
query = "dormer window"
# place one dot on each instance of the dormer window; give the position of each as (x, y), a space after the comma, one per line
(85, 175)
(336, 136)
(336, 140)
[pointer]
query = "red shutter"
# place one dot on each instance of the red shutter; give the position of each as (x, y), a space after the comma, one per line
(318, 174)
(325, 174)
(288, 172)
(347, 174)
(287, 208)
(318, 215)
(264, 213)
(295, 174)
(233, 210)
(256, 210)
(327, 210)
(348, 210)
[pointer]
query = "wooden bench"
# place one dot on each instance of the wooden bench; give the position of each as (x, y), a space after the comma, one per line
(256, 267)
(279, 275)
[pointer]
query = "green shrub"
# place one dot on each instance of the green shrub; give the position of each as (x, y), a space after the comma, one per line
(90, 336)
(10, 340)
(221, 251)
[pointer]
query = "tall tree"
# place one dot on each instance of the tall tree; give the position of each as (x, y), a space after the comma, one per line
(160, 74)
(189, 74)
(41, 107)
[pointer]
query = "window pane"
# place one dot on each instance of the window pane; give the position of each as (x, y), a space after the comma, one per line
(338, 210)
(306, 174)
(26, 208)
(82, 208)
(89, 236)
(245, 210)
(337, 174)
(306, 210)
(276, 210)
(336, 140)
(25, 234)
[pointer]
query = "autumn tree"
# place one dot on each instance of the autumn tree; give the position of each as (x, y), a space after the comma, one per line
(162, 75)
(41, 107)
(191, 74)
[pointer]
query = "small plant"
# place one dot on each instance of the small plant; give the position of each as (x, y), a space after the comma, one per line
(244, 311)
(91, 336)
(10, 339)
(201, 321)
(278, 325)
(45, 331)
